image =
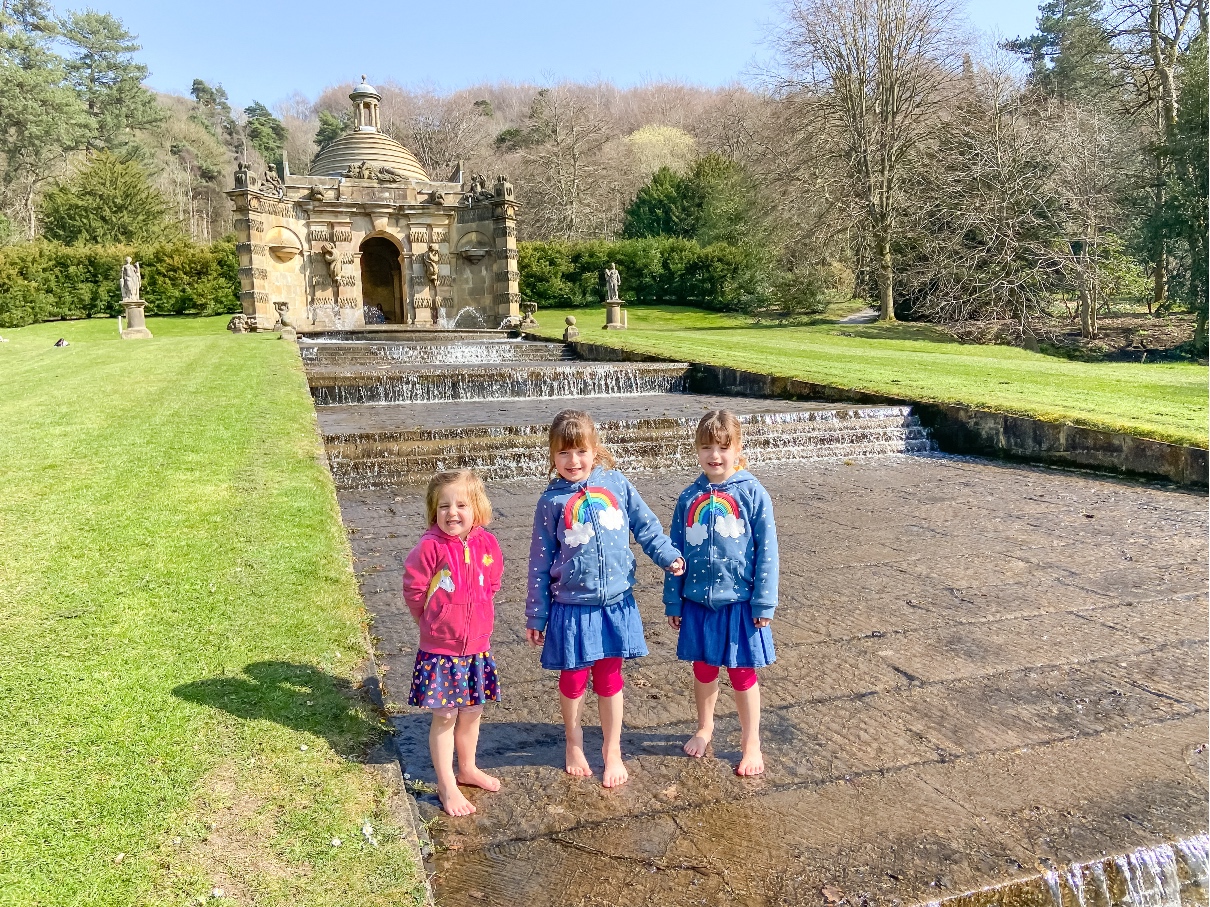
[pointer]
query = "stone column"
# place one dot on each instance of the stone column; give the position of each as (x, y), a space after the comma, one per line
(136, 325)
(505, 276)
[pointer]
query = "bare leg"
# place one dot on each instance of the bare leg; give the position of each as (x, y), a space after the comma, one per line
(706, 695)
(615, 774)
(747, 704)
(577, 763)
(441, 749)
(466, 741)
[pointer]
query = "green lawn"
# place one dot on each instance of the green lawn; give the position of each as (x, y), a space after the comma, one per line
(179, 624)
(1163, 401)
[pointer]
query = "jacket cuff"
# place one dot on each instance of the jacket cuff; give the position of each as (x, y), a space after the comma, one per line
(665, 563)
(763, 610)
(536, 623)
(672, 608)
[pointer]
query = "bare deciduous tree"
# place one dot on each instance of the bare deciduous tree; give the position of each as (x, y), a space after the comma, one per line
(876, 69)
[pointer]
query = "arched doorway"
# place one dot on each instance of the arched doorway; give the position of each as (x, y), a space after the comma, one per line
(382, 279)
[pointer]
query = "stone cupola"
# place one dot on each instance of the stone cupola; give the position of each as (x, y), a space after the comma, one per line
(365, 107)
(367, 144)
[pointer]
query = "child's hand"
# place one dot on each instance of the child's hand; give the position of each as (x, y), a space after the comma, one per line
(535, 637)
(762, 622)
(677, 567)
(674, 621)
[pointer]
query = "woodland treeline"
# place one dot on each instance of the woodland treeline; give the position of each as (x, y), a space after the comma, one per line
(884, 153)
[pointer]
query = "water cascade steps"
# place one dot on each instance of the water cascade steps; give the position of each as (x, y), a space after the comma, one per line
(393, 411)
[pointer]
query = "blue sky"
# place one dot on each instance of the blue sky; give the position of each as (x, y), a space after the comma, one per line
(266, 51)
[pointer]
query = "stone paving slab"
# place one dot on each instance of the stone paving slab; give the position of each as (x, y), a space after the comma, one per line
(973, 677)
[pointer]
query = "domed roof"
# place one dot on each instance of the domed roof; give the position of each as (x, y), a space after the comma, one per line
(374, 148)
(366, 143)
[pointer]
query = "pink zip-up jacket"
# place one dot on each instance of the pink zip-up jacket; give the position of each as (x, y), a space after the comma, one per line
(448, 586)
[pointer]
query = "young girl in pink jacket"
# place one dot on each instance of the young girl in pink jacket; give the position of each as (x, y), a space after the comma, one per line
(449, 579)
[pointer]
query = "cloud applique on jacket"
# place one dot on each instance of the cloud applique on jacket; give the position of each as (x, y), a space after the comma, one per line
(577, 534)
(612, 518)
(729, 526)
(695, 534)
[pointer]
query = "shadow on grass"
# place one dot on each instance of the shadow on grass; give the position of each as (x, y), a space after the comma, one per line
(298, 696)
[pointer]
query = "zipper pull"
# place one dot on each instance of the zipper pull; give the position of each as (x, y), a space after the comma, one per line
(466, 552)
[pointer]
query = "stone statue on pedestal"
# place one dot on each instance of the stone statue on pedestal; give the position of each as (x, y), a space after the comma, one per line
(132, 286)
(432, 265)
(132, 280)
(613, 283)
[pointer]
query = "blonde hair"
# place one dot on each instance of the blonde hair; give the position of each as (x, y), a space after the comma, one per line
(480, 505)
(575, 428)
(722, 428)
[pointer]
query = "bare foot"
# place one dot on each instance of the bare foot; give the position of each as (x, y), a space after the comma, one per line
(476, 777)
(615, 774)
(751, 763)
(577, 762)
(454, 803)
(696, 745)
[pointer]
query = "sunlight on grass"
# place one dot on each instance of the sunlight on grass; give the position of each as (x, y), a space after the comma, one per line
(1165, 401)
(180, 627)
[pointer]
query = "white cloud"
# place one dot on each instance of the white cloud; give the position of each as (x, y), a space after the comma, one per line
(729, 527)
(578, 534)
(612, 518)
(695, 534)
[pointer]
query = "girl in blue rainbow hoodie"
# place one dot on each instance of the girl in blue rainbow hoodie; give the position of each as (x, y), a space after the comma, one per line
(723, 603)
(580, 608)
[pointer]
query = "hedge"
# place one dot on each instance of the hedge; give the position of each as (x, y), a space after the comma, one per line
(44, 281)
(653, 270)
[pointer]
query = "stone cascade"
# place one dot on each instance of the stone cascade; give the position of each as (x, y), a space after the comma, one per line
(398, 405)
(374, 459)
(430, 384)
(350, 353)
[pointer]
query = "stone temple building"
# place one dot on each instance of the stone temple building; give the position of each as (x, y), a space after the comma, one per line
(370, 237)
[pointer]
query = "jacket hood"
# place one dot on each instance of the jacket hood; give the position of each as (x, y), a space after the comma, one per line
(742, 477)
(558, 483)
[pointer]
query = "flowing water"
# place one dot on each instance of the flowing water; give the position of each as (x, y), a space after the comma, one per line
(396, 405)
(1167, 875)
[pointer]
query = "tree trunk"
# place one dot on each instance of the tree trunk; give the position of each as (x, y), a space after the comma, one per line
(886, 296)
(1200, 339)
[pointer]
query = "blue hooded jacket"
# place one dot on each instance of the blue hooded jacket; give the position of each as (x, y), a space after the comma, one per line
(580, 553)
(727, 534)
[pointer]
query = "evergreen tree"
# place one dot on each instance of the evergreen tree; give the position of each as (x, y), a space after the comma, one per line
(110, 200)
(102, 70)
(41, 118)
(1069, 53)
(265, 132)
(711, 203)
(667, 206)
(212, 110)
(331, 127)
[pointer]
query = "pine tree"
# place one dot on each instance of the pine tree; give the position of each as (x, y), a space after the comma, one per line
(1069, 53)
(102, 69)
(110, 200)
(265, 132)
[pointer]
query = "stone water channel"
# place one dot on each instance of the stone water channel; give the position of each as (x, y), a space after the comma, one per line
(395, 407)
(991, 685)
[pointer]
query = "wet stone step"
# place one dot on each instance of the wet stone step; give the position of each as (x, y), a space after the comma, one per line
(400, 384)
(405, 457)
(401, 334)
(344, 355)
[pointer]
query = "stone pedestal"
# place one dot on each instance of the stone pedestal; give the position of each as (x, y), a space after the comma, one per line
(615, 316)
(136, 326)
(571, 332)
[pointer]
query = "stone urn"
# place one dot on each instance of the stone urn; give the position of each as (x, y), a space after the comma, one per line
(529, 310)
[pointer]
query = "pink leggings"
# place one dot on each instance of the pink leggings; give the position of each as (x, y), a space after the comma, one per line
(741, 678)
(606, 679)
